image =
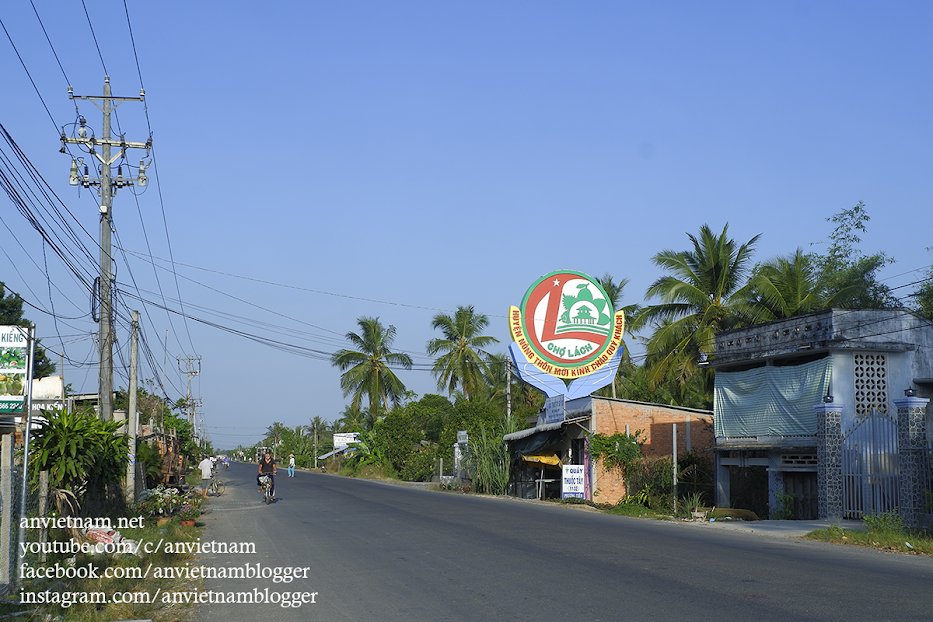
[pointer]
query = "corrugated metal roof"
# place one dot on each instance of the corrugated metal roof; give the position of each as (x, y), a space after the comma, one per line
(544, 427)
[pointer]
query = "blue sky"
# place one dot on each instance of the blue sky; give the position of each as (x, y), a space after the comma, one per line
(397, 159)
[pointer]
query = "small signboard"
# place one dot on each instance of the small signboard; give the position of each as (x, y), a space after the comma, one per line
(342, 440)
(462, 436)
(573, 481)
(14, 352)
(554, 409)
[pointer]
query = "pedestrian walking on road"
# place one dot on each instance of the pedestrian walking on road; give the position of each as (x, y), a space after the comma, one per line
(291, 465)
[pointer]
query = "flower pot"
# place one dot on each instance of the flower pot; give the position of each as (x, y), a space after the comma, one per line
(187, 523)
(163, 520)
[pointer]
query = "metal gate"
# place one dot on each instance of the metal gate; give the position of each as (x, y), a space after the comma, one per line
(869, 466)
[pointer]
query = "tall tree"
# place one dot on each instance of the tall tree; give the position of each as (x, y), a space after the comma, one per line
(367, 369)
(11, 314)
(274, 434)
(844, 267)
(463, 361)
(784, 287)
(702, 295)
(615, 291)
(923, 296)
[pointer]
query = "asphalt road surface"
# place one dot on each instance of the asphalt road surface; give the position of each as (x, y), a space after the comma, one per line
(389, 552)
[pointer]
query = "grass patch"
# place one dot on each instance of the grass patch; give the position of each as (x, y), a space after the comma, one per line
(368, 471)
(884, 532)
(637, 510)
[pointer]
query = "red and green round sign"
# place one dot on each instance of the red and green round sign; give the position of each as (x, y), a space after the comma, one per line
(566, 325)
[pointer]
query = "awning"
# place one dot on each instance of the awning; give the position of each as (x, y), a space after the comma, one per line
(331, 453)
(533, 440)
(552, 459)
(544, 427)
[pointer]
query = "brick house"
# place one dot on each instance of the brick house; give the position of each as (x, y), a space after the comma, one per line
(531, 475)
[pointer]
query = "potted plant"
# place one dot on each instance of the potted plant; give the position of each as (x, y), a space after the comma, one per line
(694, 502)
(187, 514)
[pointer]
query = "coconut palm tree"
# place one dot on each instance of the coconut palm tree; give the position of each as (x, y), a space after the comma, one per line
(787, 286)
(703, 295)
(463, 362)
(614, 292)
(367, 370)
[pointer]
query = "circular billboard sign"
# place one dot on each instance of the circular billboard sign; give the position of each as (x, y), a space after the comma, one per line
(566, 325)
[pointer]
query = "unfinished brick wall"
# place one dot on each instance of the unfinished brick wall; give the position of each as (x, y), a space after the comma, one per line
(655, 422)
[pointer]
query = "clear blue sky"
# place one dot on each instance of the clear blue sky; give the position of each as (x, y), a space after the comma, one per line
(435, 154)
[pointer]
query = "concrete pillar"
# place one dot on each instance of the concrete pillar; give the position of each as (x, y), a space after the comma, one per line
(914, 476)
(6, 522)
(829, 482)
(723, 491)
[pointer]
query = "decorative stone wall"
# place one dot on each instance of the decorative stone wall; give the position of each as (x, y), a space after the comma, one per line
(829, 461)
(912, 458)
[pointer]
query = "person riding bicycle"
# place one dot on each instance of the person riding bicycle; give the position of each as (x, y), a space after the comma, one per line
(267, 467)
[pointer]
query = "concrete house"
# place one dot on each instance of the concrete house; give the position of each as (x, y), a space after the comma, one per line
(829, 407)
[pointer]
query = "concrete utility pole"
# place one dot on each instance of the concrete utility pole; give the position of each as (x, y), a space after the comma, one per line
(107, 188)
(190, 403)
(508, 387)
(132, 421)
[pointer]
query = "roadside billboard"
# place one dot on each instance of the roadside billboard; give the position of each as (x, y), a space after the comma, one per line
(14, 357)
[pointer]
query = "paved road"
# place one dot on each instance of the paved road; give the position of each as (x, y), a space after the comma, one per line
(387, 552)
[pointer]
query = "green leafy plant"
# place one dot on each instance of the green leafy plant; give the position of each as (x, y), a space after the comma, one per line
(785, 508)
(618, 451)
(693, 501)
(642, 497)
(81, 453)
(884, 522)
(489, 462)
(654, 476)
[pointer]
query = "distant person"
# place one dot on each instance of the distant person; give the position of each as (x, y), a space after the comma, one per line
(207, 469)
(267, 467)
(291, 465)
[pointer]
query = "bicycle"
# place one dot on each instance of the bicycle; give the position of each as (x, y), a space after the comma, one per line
(265, 483)
(216, 486)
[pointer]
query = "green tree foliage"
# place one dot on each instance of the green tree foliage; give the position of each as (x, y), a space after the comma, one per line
(634, 383)
(849, 276)
(81, 453)
(702, 295)
(526, 400)
(923, 296)
(616, 452)
(787, 286)
(11, 314)
(147, 455)
(367, 369)
(462, 360)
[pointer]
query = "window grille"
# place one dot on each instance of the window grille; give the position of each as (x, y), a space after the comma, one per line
(871, 388)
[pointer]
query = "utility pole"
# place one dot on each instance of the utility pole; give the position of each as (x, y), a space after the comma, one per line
(189, 402)
(508, 386)
(132, 421)
(107, 188)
